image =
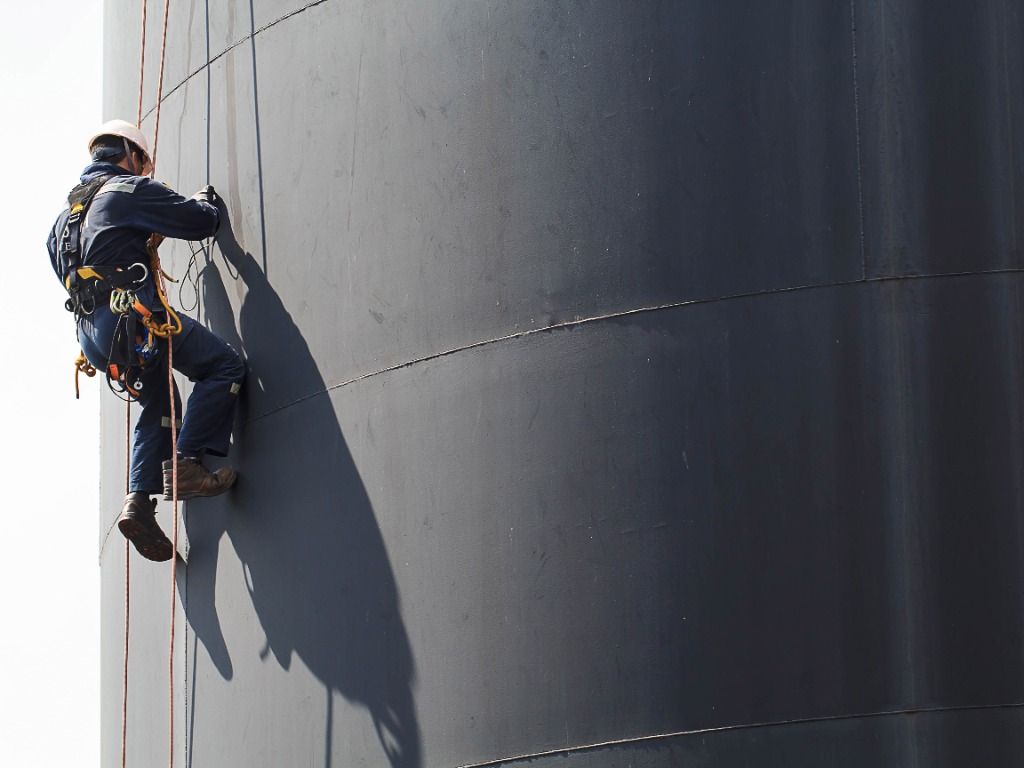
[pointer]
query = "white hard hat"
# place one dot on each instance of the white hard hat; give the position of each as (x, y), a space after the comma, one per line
(125, 130)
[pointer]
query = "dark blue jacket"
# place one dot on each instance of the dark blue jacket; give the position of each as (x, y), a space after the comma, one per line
(123, 215)
(115, 230)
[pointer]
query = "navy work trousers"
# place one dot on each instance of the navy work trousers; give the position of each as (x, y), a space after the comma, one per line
(216, 371)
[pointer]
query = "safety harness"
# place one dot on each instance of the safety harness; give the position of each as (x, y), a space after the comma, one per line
(90, 286)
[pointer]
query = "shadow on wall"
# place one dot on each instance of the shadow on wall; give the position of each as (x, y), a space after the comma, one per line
(303, 527)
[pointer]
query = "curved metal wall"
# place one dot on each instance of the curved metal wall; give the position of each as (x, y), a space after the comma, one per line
(620, 372)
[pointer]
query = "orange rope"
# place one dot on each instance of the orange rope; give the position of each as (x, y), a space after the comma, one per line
(158, 274)
(127, 588)
(127, 467)
(160, 84)
(142, 63)
(159, 277)
(82, 365)
(174, 538)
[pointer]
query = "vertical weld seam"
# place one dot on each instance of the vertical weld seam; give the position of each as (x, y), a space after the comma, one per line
(1017, 377)
(259, 135)
(209, 93)
(857, 142)
(1009, 134)
(355, 138)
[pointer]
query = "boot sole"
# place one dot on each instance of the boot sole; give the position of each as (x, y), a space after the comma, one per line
(156, 548)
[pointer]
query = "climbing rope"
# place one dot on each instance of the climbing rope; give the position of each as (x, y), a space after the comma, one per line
(127, 588)
(174, 540)
(142, 63)
(160, 84)
(128, 464)
(170, 327)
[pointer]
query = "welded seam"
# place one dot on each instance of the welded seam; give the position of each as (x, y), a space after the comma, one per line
(565, 751)
(355, 139)
(857, 142)
(1008, 93)
(232, 47)
(622, 314)
(599, 318)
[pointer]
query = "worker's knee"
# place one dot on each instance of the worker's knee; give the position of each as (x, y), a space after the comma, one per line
(234, 368)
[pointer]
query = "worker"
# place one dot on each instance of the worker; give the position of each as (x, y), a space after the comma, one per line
(98, 248)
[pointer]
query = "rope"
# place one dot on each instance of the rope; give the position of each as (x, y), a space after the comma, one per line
(171, 327)
(127, 588)
(174, 539)
(142, 63)
(82, 365)
(160, 83)
(168, 329)
(127, 467)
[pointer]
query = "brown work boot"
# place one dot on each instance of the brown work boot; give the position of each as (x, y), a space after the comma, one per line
(196, 480)
(137, 523)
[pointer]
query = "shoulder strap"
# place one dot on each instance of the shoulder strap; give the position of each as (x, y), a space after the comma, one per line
(78, 205)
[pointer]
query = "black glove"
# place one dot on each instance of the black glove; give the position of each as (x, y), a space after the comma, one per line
(206, 195)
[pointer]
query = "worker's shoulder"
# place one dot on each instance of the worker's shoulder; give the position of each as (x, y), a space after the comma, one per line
(150, 186)
(135, 188)
(124, 184)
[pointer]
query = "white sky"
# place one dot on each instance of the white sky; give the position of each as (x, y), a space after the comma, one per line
(50, 95)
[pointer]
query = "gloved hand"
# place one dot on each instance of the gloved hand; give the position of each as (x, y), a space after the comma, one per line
(206, 195)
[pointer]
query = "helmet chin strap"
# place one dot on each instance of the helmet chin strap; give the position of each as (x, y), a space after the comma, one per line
(131, 158)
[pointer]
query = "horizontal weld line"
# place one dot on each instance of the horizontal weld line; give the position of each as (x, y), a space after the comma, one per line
(628, 313)
(727, 728)
(610, 316)
(232, 47)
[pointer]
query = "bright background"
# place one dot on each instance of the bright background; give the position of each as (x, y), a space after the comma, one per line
(50, 92)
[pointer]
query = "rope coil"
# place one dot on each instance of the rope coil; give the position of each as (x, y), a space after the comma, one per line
(172, 325)
(82, 365)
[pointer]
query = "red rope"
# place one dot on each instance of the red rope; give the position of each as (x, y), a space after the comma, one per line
(127, 589)
(174, 538)
(174, 433)
(160, 83)
(124, 694)
(142, 63)
(174, 423)
(127, 469)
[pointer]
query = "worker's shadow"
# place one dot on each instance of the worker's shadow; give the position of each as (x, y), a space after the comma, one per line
(301, 523)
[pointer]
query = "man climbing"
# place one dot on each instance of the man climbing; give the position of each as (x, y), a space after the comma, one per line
(98, 248)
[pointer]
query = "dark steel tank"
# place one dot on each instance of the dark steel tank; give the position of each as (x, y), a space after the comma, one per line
(631, 383)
